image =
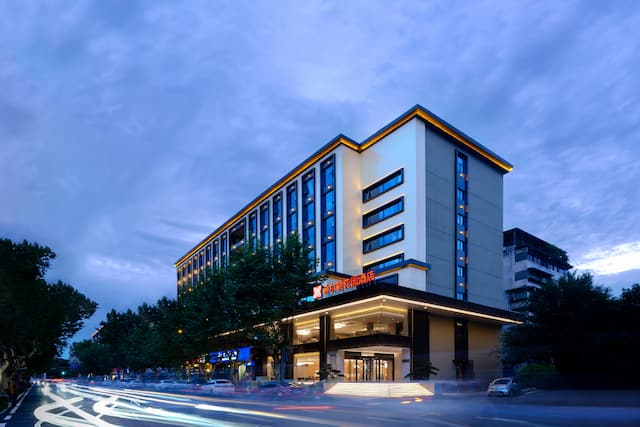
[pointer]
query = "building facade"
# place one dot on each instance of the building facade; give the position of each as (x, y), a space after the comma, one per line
(408, 225)
(528, 262)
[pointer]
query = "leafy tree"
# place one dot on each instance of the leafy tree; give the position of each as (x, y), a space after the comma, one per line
(36, 318)
(94, 357)
(577, 326)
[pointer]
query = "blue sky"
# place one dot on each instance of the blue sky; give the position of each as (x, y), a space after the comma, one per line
(129, 130)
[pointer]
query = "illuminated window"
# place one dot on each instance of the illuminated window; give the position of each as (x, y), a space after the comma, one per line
(328, 205)
(308, 212)
(253, 228)
(215, 253)
(292, 208)
(224, 250)
(264, 225)
(383, 212)
(383, 239)
(382, 186)
(461, 227)
(384, 264)
(237, 236)
(277, 218)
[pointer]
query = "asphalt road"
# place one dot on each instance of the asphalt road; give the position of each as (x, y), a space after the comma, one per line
(76, 405)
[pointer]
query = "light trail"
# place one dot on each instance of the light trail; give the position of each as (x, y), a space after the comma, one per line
(136, 405)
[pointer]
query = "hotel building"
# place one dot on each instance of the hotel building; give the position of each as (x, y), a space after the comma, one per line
(408, 226)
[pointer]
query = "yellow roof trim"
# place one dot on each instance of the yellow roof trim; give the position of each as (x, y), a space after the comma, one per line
(418, 112)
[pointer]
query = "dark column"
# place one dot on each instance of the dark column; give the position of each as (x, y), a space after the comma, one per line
(325, 335)
(419, 330)
(288, 368)
(461, 348)
(258, 362)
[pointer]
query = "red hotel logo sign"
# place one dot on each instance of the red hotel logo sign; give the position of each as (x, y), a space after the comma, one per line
(323, 291)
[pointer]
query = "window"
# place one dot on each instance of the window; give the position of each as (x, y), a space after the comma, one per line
(237, 235)
(208, 255)
(223, 250)
(308, 212)
(253, 228)
(264, 225)
(461, 272)
(383, 212)
(461, 163)
(201, 260)
(384, 264)
(383, 239)
(461, 225)
(382, 186)
(277, 219)
(328, 224)
(292, 208)
(215, 253)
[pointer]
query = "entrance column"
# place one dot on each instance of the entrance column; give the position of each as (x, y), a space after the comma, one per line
(419, 332)
(325, 335)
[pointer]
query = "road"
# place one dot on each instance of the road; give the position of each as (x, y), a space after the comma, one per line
(79, 406)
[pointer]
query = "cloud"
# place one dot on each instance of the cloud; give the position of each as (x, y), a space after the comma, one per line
(608, 261)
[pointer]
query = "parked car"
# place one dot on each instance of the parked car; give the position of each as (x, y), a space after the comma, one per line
(275, 389)
(218, 386)
(507, 386)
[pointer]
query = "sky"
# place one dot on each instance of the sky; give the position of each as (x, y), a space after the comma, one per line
(129, 130)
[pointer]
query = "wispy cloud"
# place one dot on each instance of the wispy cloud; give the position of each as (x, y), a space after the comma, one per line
(607, 261)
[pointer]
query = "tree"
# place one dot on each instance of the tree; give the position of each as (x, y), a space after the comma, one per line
(578, 327)
(94, 357)
(36, 318)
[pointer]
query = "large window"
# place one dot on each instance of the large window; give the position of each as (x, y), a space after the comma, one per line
(224, 250)
(328, 225)
(253, 228)
(385, 238)
(264, 225)
(277, 219)
(215, 254)
(461, 284)
(383, 319)
(306, 331)
(308, 213)
(384, 264)
(383, 212)
(208, 256)
(382, 186)
(292, 208)
(237, 235)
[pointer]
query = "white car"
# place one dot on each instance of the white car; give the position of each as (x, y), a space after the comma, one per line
(219, 386)
(507, 386)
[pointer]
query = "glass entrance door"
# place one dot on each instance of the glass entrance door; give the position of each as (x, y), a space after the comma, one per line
(358, 368)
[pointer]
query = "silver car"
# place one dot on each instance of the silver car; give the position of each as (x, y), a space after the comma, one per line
(507, 386)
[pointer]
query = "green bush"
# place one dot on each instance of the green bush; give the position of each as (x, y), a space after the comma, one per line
(539, 376)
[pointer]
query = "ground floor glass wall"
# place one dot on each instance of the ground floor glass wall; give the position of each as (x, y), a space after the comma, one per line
(368, 368)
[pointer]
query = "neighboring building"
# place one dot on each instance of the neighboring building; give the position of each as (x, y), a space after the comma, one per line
(408, 223)
(529, 262)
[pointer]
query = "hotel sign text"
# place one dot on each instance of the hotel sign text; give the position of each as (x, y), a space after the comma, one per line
(323, 291)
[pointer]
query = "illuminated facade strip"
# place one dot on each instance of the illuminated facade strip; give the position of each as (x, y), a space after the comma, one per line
(405, 301)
